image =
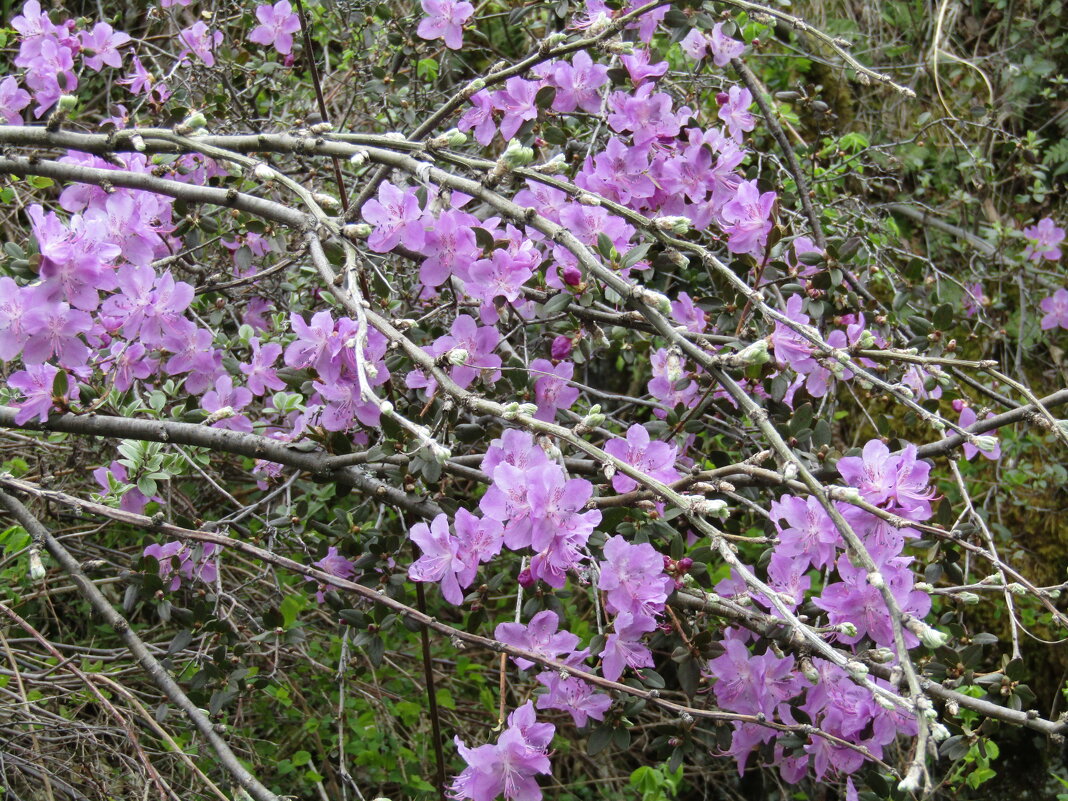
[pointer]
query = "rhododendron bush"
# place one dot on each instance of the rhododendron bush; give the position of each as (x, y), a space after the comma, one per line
(495, 401)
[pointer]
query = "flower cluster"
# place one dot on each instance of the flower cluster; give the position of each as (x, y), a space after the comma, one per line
(180, 561)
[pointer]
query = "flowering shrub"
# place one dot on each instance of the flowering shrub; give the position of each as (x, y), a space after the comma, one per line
(566, 358)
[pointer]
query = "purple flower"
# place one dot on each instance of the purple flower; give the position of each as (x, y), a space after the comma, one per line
(259, 372)
(968, 418)
(480, 541)
(854, 600)
(577, 84)
(191, 564)
(899, 479)
(319, 344)
(539, 636)
(195, 353)
(500, 276)
(101, 46)
(516, 100)
(639, 69)
(735, 112)
(748, 219)
(12, 100)
(15, 303)
(132, 500)
(974, 299)
(623, 648)
(199, 40)
(655, 459)
(668, 372)
(226, 395)
(53, 329)
(336, 565)
(449, 246)
(441, 559)
(128, 361)
(791, 349)
(573, 695)
(1044, 241)
(445, 20)
(36, 383)
(75, 261)
(516, 448)
(648, 116)
(634, 578)
(689, 314)
(1056, 310)
(396, 215)
(139, 80)
(277, 25)
(723, 47)
(551, 391)
(479, 117)
(620, 172)
(809, 535)
(561, 347)
(509, 767)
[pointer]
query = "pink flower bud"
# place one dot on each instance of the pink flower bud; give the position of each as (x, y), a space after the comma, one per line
(571, 275)
(561, 348)
(526, 579)
(722, 98)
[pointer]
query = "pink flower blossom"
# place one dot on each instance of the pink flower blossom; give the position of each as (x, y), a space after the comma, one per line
(277, 25)
(445, 20)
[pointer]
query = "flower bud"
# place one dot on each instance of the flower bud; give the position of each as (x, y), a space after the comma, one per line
(571, 275)
(37, 568)
(526, 578)
(561, 348)
(722, 98)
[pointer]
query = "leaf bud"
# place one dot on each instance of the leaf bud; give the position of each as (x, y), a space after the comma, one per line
(930, 637)
(866, 339)
(674, 224)
(265, 173)
(220, 414)
(593, 417)
(67, 103)
(858, 670)
(517, 155)
(847, 628)
(881, 655)
(458, 356)
(985, 443)
(754, 354)
(326, 201)
(968, 598)
(37, 569)
(876, 580)
(195, 121)
(354, 231)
